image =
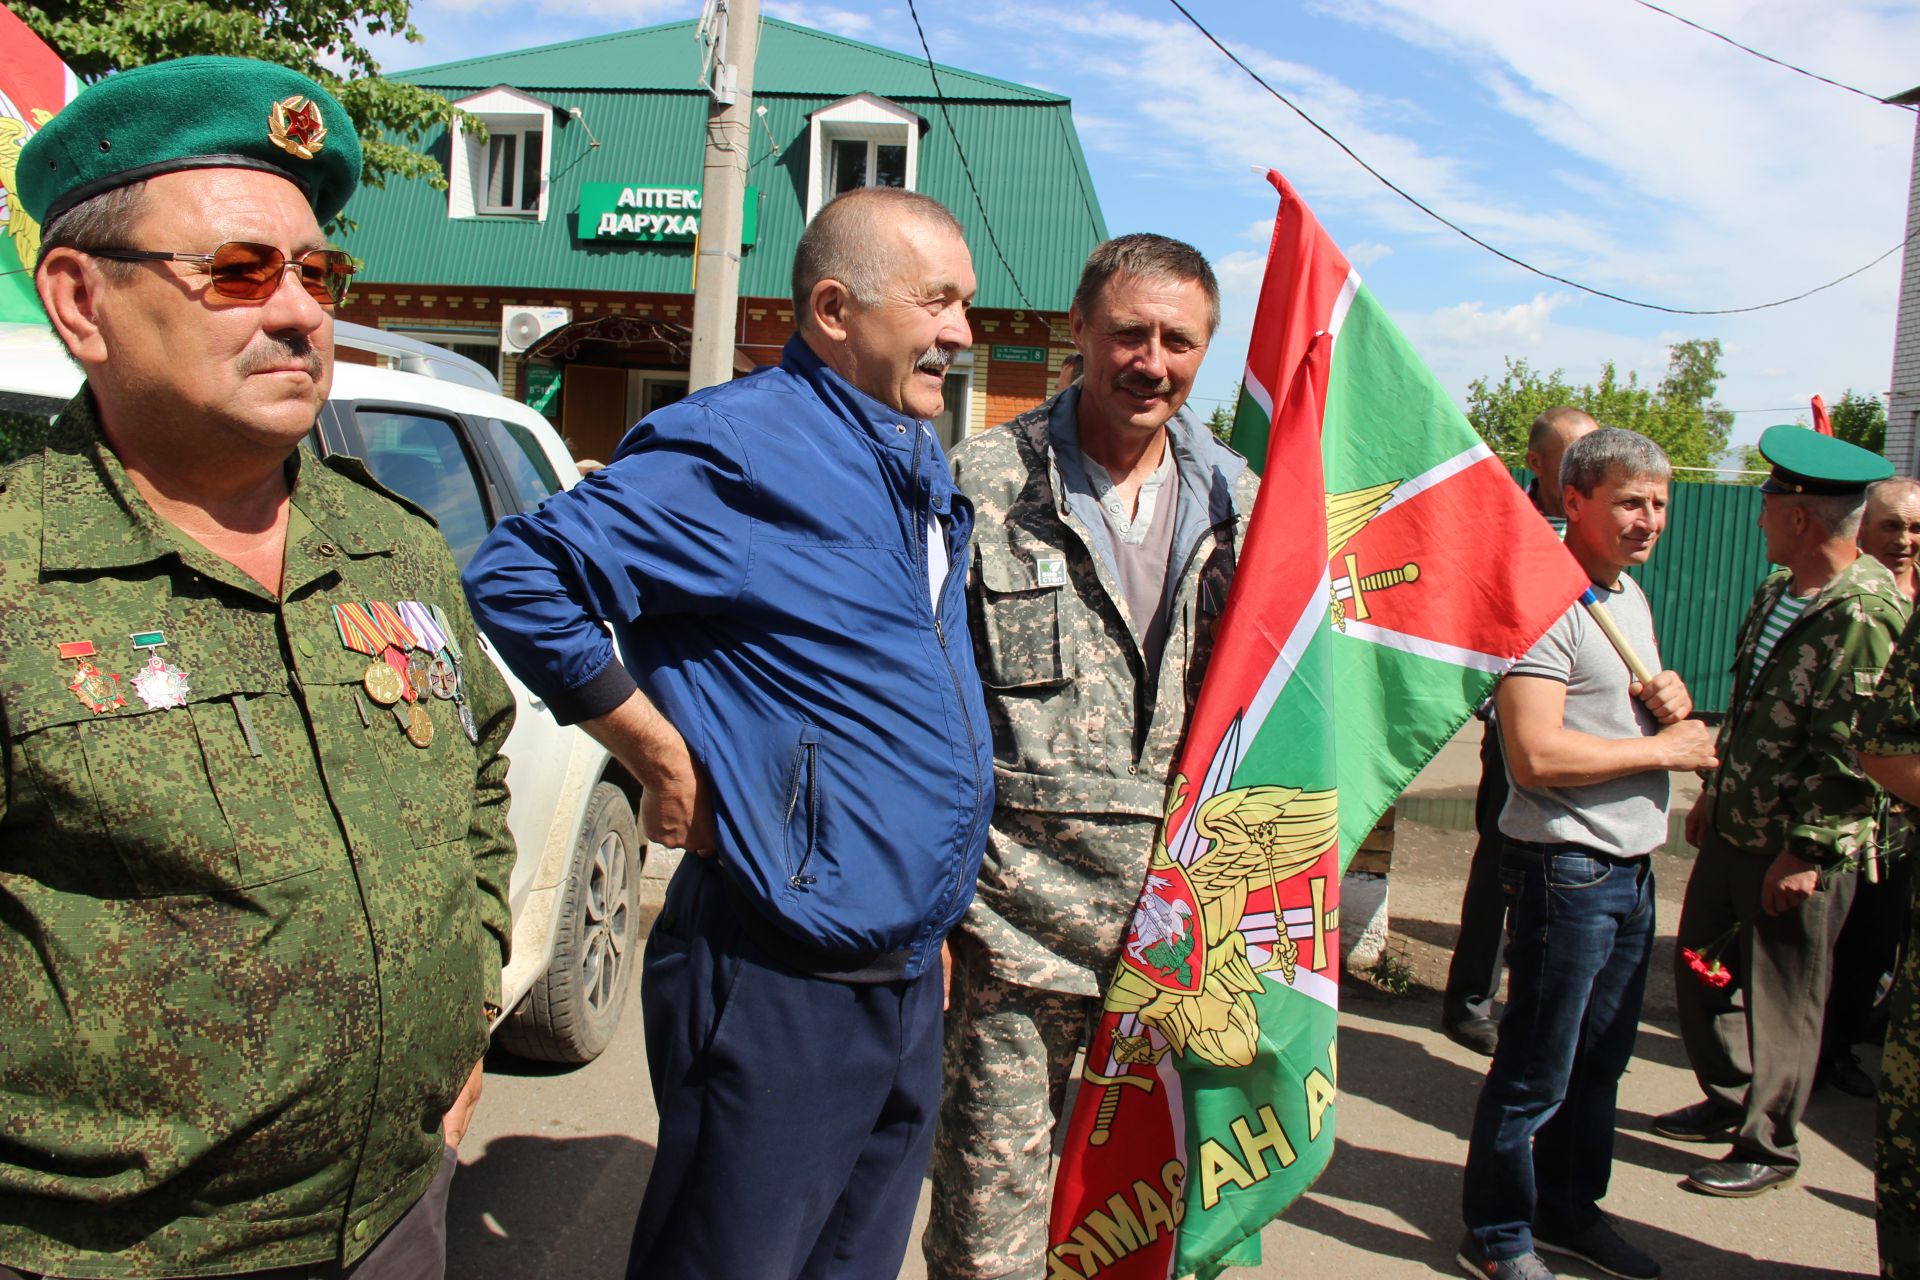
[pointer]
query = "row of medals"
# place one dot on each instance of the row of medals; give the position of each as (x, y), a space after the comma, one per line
(162, 685)
(438, 674)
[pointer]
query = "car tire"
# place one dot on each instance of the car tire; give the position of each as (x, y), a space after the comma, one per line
(570, 1014)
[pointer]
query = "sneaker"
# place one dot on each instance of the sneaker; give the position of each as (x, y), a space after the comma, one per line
(1600, 1245)
(1526, 1266)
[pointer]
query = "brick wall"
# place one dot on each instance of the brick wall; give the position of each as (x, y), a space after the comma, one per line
(1001, 390)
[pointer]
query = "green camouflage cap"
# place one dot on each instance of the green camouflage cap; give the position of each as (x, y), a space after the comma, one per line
(1804, 461)
(192, 113)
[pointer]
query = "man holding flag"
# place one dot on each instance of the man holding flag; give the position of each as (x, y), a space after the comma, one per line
(1588, 752)
(1363, 630)
(1108, 528)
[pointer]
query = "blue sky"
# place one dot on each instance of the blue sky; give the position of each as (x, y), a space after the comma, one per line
(1598, 140)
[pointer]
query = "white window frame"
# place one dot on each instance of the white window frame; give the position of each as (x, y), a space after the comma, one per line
(867, 118)
(961, 411)
(479, 345)
(504, 110)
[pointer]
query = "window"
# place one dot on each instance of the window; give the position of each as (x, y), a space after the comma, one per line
(862, 141)
(505, 176)
(529, 471)
(482, 346)
(419, 457)
(867, 164)
(950, 425)
(511, 183)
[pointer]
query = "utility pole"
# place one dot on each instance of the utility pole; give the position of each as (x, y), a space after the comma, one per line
(716, 289)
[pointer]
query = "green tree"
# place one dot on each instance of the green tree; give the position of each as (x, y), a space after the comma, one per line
(1680, 413)
(1861, 420)
(319, 38)
(1220, 422)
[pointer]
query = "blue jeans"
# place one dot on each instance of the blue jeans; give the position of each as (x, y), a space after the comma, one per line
(1580, 931)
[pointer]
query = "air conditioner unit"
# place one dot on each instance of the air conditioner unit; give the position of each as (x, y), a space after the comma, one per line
(521, 327)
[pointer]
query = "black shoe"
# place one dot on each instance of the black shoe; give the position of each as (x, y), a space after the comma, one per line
(1843, 1071)
(1704, 1121)
(1598, 1245)
(1737, 1178)
(1475, 1263)
(1477, 1034)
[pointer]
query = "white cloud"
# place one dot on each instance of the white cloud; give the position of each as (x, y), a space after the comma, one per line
(1362, 252)
(845, 22)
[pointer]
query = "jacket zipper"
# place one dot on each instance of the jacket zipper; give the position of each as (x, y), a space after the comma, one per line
(805, 763)
(940, 634)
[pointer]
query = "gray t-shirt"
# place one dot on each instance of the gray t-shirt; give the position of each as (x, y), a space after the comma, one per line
(1625, 817)
(1142, 546)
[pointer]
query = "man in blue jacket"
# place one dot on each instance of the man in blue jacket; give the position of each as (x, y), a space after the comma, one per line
(799, 701)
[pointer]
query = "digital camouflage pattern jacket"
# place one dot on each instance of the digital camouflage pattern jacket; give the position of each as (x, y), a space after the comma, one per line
(246, 940)
(1787, 778)
(1084, 736)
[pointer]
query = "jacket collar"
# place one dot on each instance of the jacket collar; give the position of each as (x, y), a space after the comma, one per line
(1208, 470)
(878, 421)
(92, 516)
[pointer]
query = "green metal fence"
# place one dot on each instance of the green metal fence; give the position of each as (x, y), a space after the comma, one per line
(1700, 581)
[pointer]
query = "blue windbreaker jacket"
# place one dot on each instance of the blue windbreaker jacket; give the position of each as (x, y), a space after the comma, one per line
(760, 549)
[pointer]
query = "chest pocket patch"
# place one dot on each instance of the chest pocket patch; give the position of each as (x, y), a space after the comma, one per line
(165, 790)
(1023, 621)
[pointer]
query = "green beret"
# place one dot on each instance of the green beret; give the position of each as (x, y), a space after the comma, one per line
(192, 113)
(1804, 461)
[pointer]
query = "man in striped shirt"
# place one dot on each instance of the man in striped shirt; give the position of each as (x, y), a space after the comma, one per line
(1782, 821)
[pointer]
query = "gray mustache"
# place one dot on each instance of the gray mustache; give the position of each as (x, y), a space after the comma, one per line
(275, 352)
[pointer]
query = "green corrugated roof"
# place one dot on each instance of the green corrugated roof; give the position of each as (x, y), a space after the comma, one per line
(791, 59)
(636, 92)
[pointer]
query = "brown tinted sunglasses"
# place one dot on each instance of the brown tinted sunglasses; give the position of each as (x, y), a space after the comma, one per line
(251, 272)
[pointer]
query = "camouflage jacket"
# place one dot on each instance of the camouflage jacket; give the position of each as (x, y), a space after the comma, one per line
(246, 940)
(1083, 735)
(1787, 778)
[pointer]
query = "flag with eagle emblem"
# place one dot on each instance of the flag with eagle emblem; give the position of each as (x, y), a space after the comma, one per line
(1208, 1097)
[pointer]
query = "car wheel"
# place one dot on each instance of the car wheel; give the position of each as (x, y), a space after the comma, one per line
(571, 1012)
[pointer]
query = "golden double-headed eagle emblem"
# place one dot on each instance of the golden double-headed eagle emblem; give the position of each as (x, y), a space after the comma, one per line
(1256, 837)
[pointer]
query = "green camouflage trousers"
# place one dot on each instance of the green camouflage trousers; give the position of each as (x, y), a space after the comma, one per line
(1896, 1173)
(1009, 1057)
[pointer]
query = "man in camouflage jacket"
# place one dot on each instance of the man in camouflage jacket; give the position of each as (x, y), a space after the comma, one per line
(1782, 821)
(1107, 530)
(1889, 746)
(249, 924)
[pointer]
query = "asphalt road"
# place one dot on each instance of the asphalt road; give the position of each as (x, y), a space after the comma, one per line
(554, 1166)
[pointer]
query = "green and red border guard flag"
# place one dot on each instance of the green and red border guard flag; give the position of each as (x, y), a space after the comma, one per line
(34, 84)
(1391, 572)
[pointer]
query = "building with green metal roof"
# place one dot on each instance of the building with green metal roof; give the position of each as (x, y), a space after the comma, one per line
(562, 252)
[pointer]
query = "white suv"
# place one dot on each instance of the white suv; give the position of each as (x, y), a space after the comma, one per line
(443, 437)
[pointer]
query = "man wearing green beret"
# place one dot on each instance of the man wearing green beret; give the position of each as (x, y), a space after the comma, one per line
(252, 883)
(1783, 821)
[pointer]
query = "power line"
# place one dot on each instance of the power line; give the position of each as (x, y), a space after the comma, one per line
(965, 168)
(1764, 57)
(1455, 227)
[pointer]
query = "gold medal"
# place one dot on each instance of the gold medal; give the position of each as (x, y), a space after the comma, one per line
(419, 726)
(383, 684)
(99, 691)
